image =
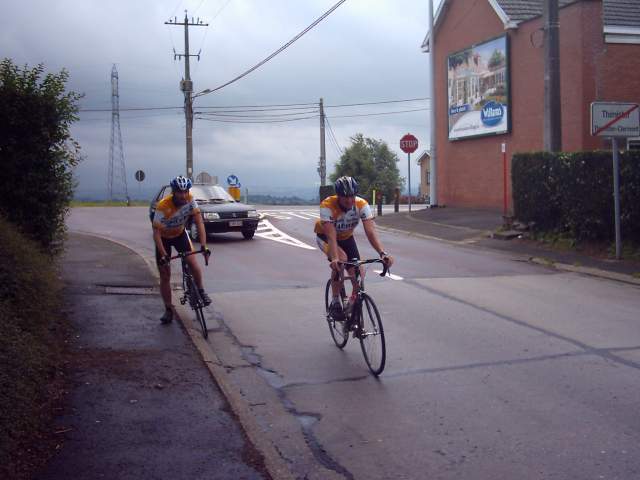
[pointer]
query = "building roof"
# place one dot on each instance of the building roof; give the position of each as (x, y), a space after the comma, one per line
(520, 11)
(622, 13)
(621, 17)
(423, 157)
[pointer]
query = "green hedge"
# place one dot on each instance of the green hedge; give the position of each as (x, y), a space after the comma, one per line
(30, 345)
(572, 193)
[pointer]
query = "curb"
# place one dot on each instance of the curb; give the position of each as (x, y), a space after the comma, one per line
(469, 241)
(276, 466)
(591, 271)
(273, 462)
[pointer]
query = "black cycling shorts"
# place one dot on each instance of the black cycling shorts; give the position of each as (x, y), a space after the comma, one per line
(182, 243)
(348, 245)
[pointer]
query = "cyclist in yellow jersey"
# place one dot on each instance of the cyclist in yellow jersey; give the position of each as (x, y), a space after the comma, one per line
(169, 220)
(339, 216)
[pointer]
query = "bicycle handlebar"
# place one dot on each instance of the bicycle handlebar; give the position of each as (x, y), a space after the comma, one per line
(195, 252)
(356, 263)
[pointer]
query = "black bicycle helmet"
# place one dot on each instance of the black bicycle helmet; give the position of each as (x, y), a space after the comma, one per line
(346, 187)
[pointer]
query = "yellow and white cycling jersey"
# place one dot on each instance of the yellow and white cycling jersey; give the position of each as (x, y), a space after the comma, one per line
(170, 219)
(345, 222)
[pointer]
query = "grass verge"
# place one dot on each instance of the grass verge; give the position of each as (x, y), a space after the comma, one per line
(32, 333)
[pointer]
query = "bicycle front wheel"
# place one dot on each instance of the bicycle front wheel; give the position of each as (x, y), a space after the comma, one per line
(202, 321)
(338, 333)
(196, 304)
(371, 335)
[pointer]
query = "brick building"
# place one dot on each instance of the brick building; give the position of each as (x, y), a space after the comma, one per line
(489, 84)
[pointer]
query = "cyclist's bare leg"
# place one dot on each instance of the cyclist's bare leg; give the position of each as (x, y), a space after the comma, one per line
(195, 269)
(354, 283)
(336, 285)
(165, 284)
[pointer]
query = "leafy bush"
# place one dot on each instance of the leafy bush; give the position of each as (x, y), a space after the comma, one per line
(572, 193)
(30, 303)
(38, 153)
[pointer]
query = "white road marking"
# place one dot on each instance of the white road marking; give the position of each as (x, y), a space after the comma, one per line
(287, 214)
(391, 275)
(267, 230)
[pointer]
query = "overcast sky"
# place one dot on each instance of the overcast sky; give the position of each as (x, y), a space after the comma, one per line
(365, 51)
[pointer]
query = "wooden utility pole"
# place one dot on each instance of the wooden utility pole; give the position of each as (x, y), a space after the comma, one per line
(552, 99)
(322, 166)
(186, 86)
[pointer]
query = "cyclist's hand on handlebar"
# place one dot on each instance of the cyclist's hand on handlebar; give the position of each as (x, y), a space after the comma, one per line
(335, 265)
(164, 260)
(387, 259)
(206, 252)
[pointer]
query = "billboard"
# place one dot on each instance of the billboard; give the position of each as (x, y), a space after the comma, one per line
(478, 90)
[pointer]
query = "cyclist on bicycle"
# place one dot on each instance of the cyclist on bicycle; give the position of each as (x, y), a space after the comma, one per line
(339, 216)
(169, 220)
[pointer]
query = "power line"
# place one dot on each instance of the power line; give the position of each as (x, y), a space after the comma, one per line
(377, 103)
(131, 109)
(332, 135)
(380, 113)
(258, 121)
(218, 114)
(286, 45)
(266, 107)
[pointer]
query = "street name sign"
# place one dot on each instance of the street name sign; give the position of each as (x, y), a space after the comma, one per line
(614, 119)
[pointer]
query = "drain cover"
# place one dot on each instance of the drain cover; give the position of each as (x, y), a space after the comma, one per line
(115, 290)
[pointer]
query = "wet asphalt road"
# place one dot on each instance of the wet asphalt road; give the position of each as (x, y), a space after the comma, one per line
(496, 368)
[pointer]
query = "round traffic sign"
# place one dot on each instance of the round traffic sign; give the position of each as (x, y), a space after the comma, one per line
(233, 181)
(408, 143)
(139, 175)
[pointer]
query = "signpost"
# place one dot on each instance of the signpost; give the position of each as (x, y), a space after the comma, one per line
(139, 177)
(234, 187)
(615, 120)
(409, 144)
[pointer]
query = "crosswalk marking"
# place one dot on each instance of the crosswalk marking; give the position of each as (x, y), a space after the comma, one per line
(268, 231)
(310, 214)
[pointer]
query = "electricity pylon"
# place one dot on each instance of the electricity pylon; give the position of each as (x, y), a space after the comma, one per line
(117, 171)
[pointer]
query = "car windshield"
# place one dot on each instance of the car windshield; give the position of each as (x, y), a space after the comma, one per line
(211, 194)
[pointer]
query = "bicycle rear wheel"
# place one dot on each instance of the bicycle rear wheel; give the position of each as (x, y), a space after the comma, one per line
(371, 335)
(339, 335)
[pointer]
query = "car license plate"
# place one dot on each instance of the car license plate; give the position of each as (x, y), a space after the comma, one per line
(235, 223)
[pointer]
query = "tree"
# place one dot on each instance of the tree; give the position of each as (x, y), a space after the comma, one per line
(497, 59)
(372, 164)
(38, 153)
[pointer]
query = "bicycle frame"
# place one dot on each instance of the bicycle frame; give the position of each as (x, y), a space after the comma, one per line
(190, 288)
(358, 272)
(363, 319)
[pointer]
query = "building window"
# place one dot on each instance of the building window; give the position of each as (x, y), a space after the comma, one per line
(633, 144)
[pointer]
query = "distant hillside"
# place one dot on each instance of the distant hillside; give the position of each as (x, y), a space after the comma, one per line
(273, 200)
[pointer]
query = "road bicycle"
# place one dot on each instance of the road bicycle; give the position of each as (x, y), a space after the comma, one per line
(362, 318)
(190, 288)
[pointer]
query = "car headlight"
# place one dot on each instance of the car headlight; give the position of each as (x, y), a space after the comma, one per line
(252, 214)
(211, 216)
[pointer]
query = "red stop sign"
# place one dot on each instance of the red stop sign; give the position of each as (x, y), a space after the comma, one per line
(408, 143)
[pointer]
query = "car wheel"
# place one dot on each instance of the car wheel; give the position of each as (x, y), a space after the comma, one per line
(193, 231)
(248, 234)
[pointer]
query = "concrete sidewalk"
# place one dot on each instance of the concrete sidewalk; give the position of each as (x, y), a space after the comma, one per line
(476, 227)
(142, 403)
